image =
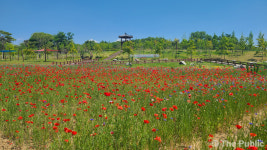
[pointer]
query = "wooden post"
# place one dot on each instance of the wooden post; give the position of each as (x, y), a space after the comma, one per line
(9, 54)
(18, 54)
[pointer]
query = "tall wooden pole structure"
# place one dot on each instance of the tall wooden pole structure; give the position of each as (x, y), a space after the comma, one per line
(126, 37)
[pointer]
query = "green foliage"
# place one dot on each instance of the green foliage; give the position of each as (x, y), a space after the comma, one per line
(9, 46)
(158, 48)
(72, 48)
(98, 48)
(191, 49)
(250, 41)
(40, 40)
(184, 44)
(5, 37)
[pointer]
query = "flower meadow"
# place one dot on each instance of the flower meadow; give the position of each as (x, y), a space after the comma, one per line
(105, 107)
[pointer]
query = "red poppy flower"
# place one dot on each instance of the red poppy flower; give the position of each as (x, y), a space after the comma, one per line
(157, 138)
(74, 132)
(107, 93)
(146, 121)
(143, 109)
(238, 126)
(253, 134)
(20, 118)
(230, 94)
(153, 130)
(253, 148)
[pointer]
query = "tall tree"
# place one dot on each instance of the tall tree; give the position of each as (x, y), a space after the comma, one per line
(72, 48)
(5, 37)
(250, 41)
(184, 44)
(261, 44)
(191, 48)
(60, 38)
(224, 45)
(128, 48)
(40, 39)
(242, 43)
(215, 42)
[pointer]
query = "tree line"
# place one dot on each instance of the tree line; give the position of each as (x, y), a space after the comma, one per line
(223, 44)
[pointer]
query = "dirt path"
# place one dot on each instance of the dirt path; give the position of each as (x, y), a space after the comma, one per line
(113, 55)
(5, 144)
(220, 138)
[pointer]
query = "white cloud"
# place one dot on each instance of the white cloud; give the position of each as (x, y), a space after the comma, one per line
(94, 40)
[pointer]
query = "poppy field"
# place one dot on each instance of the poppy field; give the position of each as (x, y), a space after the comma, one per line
(105, 107)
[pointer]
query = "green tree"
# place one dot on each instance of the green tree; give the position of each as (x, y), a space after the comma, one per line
(250, 41)
(158, 47)
(242, 43)
(224, 46)
(5, 37)
(208, 46)
(191, 48)
(176, 43)
(98, 49)
(261, 44)
(72, 49)
(39, 40)
(215, 42)
(128, 48)
(184, 44)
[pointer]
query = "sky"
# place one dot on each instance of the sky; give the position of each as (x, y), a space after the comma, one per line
(107, 19)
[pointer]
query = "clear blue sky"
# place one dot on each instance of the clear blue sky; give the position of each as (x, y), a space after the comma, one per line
(106, 19)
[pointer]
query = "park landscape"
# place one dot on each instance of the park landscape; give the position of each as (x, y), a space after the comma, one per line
(143, 106)
(188, 76)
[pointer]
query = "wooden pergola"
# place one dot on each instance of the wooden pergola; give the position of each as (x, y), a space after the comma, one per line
(126, 37)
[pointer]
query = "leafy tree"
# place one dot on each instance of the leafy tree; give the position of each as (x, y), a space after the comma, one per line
(176, 43)
(261, 44)
(224, 45)
(72, 48)
(250, 41)
(60, 38)
(158, 48)
(184, 44)
(208, 46)
(39, 40)
(5, 37)
(128, 48)
(215, 42)
(242, 43)
(191, 48)
(98, 49)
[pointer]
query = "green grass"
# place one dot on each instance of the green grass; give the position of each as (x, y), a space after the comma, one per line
(101, 102)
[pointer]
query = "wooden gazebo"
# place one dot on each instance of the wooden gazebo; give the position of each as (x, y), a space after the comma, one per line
(126, 37)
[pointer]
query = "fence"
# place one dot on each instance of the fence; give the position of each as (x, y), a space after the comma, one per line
(76, 62)
(233, 62)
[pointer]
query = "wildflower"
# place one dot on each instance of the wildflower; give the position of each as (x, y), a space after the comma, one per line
(107, 93)
(238, 126)
(143, 109)
(146, 121)
(73, 132)
(157, 138)
(253, 148)
(253, 134)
